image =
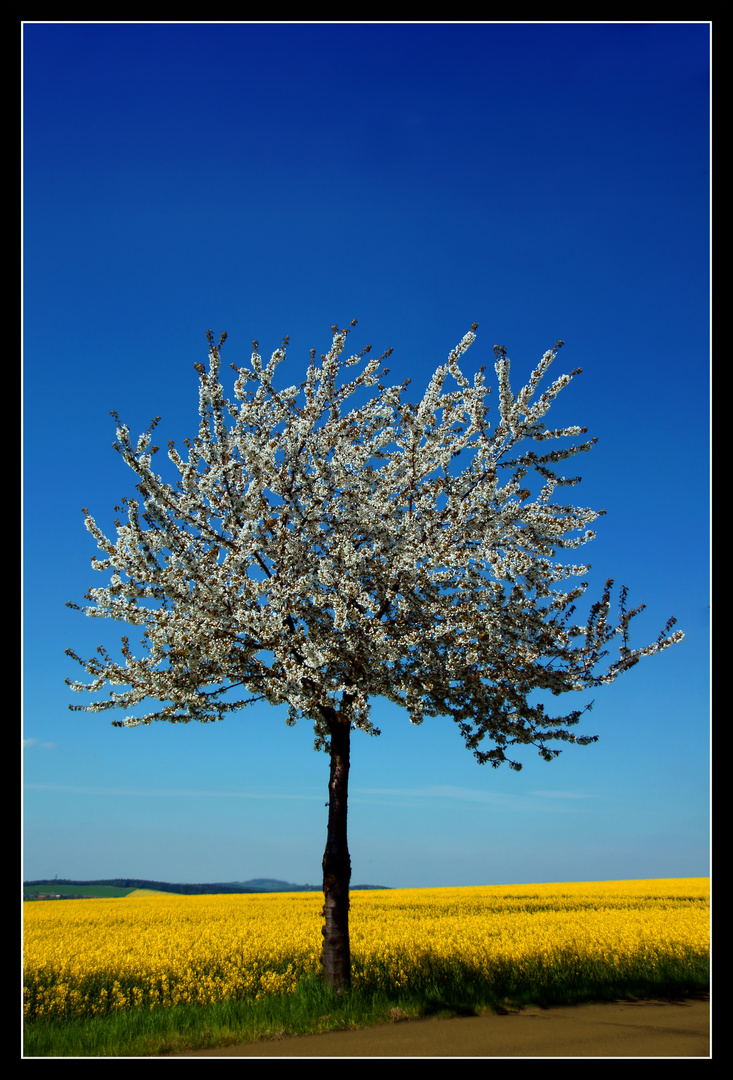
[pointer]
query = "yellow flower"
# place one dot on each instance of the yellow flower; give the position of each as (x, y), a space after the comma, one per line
(88, 957)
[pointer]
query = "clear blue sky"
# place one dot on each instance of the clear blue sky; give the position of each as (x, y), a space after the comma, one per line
(545, 181)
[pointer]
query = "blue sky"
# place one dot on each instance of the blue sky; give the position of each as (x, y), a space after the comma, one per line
(545, 181)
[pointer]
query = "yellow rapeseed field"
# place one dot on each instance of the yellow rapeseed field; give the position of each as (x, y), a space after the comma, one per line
(89, 957)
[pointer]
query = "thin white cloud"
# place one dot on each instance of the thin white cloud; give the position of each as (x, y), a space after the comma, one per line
(137, 793)
(473, 795)
(39, 742)
(382, 795)
(437, 791)
(561, 794)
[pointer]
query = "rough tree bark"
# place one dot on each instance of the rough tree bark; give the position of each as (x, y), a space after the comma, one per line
(336, 952)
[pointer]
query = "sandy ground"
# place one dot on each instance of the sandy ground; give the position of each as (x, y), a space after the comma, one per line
(659, 1028)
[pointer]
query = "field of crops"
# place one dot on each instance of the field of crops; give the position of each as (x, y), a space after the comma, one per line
(85, 958)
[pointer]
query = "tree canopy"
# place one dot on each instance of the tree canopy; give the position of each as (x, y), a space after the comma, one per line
(319, 555)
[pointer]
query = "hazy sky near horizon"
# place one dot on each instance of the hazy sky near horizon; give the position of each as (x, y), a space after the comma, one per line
(547, 181)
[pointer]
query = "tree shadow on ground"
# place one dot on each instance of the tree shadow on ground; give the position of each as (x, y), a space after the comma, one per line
(452, 1008)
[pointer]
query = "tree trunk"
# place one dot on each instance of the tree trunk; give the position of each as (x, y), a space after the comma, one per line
(336, 953)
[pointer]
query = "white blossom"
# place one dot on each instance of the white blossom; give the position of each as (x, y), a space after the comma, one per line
(319, 556)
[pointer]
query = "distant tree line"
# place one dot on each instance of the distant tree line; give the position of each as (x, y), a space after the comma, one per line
(140, 883)
(187, 889)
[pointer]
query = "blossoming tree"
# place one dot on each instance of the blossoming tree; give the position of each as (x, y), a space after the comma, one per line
(318, 555)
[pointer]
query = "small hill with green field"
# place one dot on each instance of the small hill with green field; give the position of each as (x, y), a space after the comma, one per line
(66, 889)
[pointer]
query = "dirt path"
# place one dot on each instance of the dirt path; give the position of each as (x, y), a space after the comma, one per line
(659, 1028)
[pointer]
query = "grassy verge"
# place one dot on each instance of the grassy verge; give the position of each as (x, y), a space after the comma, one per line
(146, 1032)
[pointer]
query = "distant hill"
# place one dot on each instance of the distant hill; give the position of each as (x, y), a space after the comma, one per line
(273, 885)
(261, 884)
(66, 889)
